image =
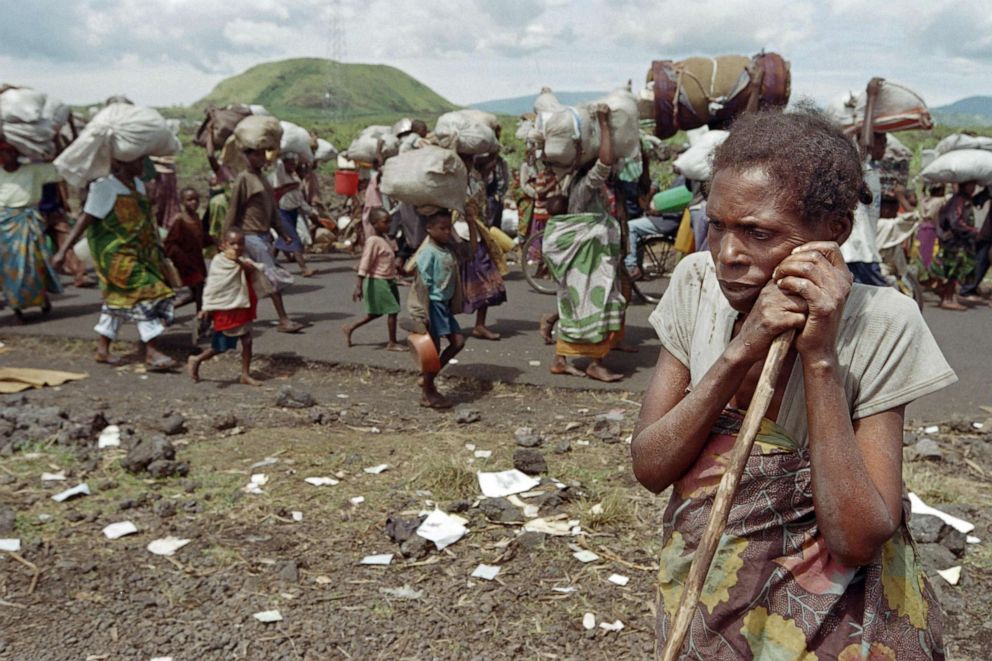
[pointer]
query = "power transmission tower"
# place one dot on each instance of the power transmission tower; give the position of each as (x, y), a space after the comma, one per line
(337, 48)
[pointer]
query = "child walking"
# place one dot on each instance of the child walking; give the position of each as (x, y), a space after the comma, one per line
(377, 280)
(230, 296)
(438, 275)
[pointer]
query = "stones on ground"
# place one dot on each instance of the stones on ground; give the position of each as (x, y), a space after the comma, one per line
(164, 509)
(526, 437)
(172, 424)
(607, 430)
(908, 438)
(936, 556)
(458, 506)
(416, 547)
(167, 468)
(288, 571)
(225, 421)
(926, 529)
(926, 449)
(147, 450)
(529, 461)
(563, 447)
(291, 398)
(466, 416)
(400, 530)
(500, 510)
(7, 516)
(954, 541)
(531, 540)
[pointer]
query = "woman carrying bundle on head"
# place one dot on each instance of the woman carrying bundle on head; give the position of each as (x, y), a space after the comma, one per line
(27, 274)
(815, 560)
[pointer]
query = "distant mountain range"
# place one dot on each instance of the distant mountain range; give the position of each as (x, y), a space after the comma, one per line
(972, 111)
(519, 105)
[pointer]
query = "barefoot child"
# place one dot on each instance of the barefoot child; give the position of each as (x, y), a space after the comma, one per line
(185, 242)
(377, 279)
(230, 296)
(437, 272)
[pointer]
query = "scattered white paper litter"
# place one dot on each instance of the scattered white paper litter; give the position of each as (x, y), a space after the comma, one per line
(381, 559)
(161, 658)
(297, 516)
(565, 590)
(79, 490)
(115, 530)
(917, 506)
(470, 447)
(589, 621)
(442, 529)
(166, 545)
(952, 575)
(342, 396)
(585, 556)
(596, 509)
(582, 443)
(453, 361)
(534, 363)
(560, 528)
(375, 470)
(932, 429)
(483, 454)
(53, 477)
(10, 545)
(971, 539)
(321, 481)
(110, 437)
(268, 616)
(619, 579)
(358, 500)
(506, 483)
(617, 625)
(255, 483)
(978, 425)
(485, 572)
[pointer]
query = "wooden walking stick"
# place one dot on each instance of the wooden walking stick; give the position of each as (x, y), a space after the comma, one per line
(725, 493)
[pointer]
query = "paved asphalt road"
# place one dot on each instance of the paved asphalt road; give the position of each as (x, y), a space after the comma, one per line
(325, 303)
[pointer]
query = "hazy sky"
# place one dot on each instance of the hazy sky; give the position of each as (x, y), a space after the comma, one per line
(164, 52)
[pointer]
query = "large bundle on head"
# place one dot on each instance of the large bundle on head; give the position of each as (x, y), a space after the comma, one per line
(696, 162)
(262, 132)
(705, 91)
(219, 124)
(960, 166)
(325, 151)
(463, 132)
(893, 169)
(118, 132)
(897, 108)
(296, 141)
(29, 121)
(431, 175)
(958, 141)
(363, 148)
(483, 117)
(571, 134)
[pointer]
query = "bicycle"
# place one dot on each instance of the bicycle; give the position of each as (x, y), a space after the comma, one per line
(658, 260)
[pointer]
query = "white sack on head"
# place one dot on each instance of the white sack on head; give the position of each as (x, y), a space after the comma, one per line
(524, 129)
(625, 124)
(363, 148)
(295, 140)
(259, 110)
(897, 108)
(483, 117)
(57, 112)
(118, 132)
(35, 140)
(427, 176)
(464, 133)
(258, 132)
(546, 101)
(961, 141)
(325, 151)
(696, 162)
(22, 105)
(960, 166)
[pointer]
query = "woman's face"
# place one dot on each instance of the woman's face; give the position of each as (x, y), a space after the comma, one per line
(749, 235)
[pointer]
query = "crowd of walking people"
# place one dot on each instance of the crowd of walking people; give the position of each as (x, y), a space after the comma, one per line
(147, 239)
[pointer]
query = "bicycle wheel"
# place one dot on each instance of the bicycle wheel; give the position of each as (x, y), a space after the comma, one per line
(659, 260)
(542, 285)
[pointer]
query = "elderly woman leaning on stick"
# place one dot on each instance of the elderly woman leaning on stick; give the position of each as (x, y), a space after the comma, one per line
(816, 559)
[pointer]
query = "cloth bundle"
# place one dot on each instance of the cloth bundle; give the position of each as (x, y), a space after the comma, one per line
(363, 148)
(220, 123)
(696, 162)
(462, 131)
(897, 108)
(429, 176)
(118, 132)
(325, 151)
(29, 120)
(703, 91)
(958, 141)
(960, 166)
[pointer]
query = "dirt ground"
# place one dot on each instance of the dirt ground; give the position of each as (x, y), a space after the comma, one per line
(96, 598)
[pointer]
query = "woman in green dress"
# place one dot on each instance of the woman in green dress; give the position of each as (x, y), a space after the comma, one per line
(124, 242)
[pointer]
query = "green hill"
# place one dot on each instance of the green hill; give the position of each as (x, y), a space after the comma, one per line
(972, 111)
(312, 85)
